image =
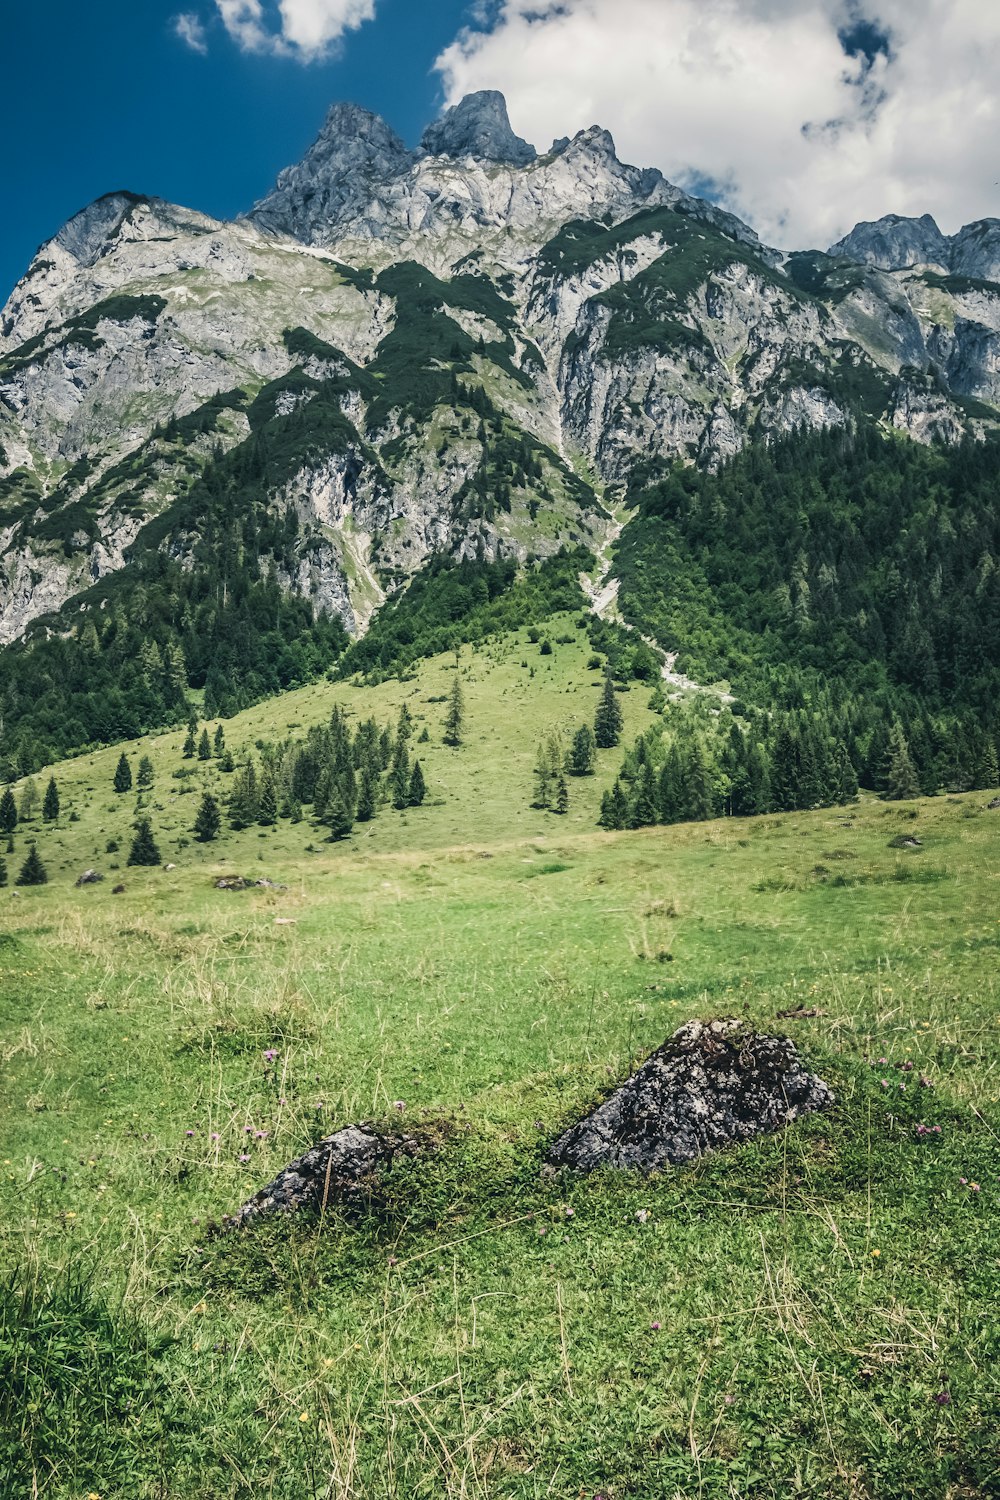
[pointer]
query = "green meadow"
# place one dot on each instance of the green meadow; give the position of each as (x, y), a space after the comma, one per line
(815, 1314)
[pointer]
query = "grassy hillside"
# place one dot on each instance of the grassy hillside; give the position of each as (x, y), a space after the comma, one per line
(810, 1315)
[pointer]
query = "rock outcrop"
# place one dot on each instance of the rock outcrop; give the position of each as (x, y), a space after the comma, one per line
(712, 1084)
(341, 1167)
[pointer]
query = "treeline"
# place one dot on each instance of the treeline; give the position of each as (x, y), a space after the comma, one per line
(701, 762)
(839, 555)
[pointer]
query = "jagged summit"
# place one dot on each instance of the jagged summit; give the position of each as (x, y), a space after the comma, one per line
(897, 243)
(478, 127)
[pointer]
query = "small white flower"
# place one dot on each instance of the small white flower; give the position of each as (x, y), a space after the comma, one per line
(642, 1215)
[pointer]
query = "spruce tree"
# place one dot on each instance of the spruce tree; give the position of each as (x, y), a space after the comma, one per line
(267, 803)
(32, 871)
(582, 753)
(418, 789)
(204, 746)
(143, 850)
(144, 774)
(608, 720)
(209, 820)
(643, 810)
(8, 811)
(29, 801)
(455, 717)
(189, 746)
(367, 795)
(3, 871)
(227, 763)
(399, 780)
(219, 740)
(338, 816)
(561, 804)
(123, 774)
(900, 777)
(50, 806)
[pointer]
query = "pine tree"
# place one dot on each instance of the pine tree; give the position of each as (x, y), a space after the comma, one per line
(582, 753)
(243, 799)
(643, 810)
(267, 803)
(32, 871)
(227, 763)
(209, 820)
(189, 746)
(900, 777)
(399, 780)
(50, 806)
(29, 801)
(8, 811)
(608, 720)
(143, 850)
(204, 746)
(614, 808)
(144, 774)
(123, 774)
(367, 795)
(219, 740)
(338, 816)
(455, 717)
(418, 789)
(561, 804)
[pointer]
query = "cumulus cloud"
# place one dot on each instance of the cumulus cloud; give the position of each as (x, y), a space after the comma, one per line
(191, 32)
(803, 116)
(303, 29)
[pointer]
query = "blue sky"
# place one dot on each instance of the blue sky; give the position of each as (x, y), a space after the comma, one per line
(106, 96)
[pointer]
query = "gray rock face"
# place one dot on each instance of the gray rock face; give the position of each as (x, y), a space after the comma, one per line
(354, 157)
(712, 1084)
(478, 127)
(893, 243)
(896, 244)
(341, 1166)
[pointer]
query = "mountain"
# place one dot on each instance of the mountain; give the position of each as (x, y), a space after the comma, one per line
(467, 349)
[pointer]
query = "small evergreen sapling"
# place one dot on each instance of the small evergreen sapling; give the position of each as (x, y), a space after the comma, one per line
(50, 806)
(561, 805)
(33, 872)
(204, 746)
(209, 819)
(123, 774)
(144, 775)
(418, 789)
(219, 741)
(144, 850)
(8, 811)
(455, 717)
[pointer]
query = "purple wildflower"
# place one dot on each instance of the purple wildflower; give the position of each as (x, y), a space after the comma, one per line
(244, 1157)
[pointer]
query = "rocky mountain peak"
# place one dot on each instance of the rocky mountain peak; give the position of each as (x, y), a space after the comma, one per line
(355, 153)
(87, 232)
(478, 126)
(894, 243)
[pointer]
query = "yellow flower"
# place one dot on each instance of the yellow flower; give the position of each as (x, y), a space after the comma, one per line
(303, 1416)
(876, 1252)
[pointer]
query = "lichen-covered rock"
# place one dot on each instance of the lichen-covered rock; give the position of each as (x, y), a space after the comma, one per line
(712, 1084)
(341, 1166)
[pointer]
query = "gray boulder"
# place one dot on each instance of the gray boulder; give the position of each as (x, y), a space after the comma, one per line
(341, 1166)
(89, 877)
(712, 1084)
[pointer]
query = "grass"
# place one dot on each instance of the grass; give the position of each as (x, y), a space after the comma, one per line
(811, 1315)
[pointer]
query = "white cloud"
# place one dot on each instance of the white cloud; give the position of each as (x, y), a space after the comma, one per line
(191, 32)
(304, 29)
(760, 98)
